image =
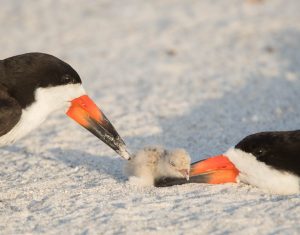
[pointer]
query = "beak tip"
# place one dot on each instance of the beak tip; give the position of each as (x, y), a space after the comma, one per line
(124, 153)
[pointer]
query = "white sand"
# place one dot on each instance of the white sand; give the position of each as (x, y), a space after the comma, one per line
(194, 74)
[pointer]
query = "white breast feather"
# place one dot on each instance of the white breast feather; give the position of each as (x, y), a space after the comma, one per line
(47, 100)
(261, 175)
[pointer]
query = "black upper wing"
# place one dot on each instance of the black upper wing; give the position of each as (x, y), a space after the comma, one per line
(10, 111)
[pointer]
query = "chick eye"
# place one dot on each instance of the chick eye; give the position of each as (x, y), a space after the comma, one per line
(172, 163)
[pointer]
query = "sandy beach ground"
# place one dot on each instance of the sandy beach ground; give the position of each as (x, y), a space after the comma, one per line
(193, 74)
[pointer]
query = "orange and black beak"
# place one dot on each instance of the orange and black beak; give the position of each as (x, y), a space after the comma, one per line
(85, 112)
(213, 170)
(216, 170)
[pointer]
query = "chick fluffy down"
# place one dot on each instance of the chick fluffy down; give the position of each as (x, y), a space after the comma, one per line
(151, 163)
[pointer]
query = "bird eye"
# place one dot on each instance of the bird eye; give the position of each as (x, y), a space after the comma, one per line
(260, 151)
(172, 163)
(68, 79)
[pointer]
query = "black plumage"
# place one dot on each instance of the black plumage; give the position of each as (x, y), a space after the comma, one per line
(21, 75)
(280, 149)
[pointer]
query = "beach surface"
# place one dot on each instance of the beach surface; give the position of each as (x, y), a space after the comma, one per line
(199, 75)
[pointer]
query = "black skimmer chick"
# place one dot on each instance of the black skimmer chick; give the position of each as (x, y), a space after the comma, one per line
(152, 163)
(267, 160)
(33, 85)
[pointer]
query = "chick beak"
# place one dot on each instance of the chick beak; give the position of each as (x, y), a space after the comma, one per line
(185, 173)
(85, 112)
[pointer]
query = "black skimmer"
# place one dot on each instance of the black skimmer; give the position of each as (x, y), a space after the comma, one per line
(267, 160)
(152, 163)
(33, 85)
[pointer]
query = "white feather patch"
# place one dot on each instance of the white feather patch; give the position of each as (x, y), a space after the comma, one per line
(261, 175)
(47, 100)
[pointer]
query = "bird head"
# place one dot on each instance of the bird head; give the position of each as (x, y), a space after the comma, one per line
(50, 83)
(177, 164)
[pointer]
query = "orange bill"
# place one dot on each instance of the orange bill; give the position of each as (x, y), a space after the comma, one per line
(213, 170)
(85, 112)
(218, 170)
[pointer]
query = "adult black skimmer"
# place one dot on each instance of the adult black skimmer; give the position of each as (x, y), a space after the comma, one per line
(268, 160)
(33, 85)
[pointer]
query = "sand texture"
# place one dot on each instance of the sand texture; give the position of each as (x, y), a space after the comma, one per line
(198, 75)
